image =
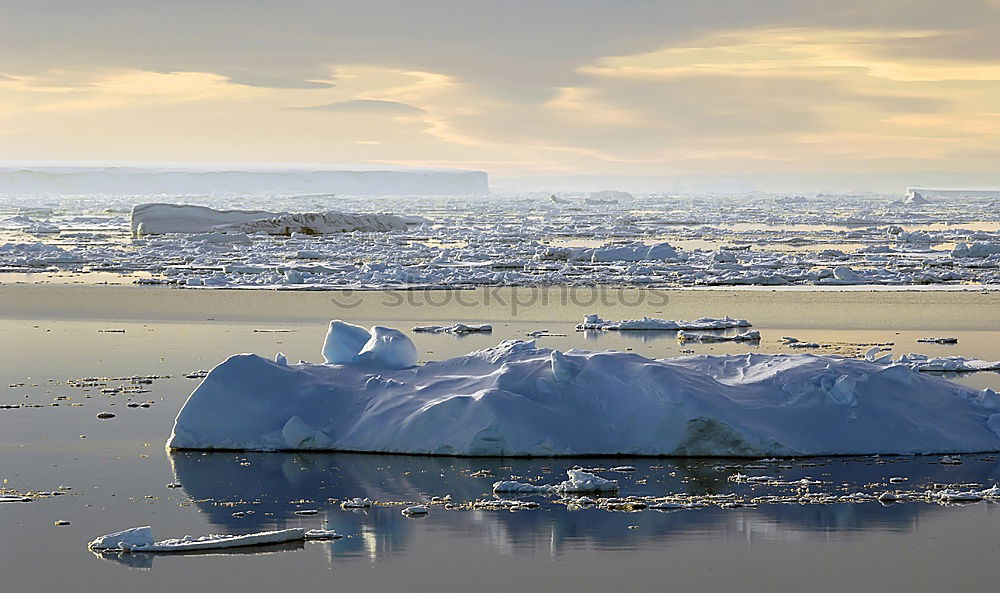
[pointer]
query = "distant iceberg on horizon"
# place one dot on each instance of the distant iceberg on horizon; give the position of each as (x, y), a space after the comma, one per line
(187, 178)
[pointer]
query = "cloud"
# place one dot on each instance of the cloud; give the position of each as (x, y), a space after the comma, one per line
(645, 87)
(275, 82)
(378, 106)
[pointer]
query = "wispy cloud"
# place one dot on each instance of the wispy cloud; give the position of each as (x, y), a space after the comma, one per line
(368, 106)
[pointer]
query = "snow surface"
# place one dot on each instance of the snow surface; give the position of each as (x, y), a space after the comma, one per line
(518, 399)
(140, 540)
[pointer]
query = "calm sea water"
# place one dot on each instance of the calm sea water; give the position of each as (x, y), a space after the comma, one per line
(118, 475)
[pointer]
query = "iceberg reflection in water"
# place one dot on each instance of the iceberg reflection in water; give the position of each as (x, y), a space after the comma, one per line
(246, 492)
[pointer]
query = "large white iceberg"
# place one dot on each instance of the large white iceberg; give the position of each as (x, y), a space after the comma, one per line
(320, 223)
(520, 400)
(157, 218)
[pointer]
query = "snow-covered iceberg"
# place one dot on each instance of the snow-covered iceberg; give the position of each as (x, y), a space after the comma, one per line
(320, 223)
(520, 400)
(158, 219)
(140, 540)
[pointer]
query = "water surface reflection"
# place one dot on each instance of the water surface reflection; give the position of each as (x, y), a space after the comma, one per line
(243, 492)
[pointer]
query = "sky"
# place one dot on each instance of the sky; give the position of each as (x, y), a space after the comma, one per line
(520, 89)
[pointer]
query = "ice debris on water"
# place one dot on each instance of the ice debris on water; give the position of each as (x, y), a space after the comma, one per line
(836, 241)
(577, 481)
(594, 322)
(457, 328)
(322, 534)
(356, 503)
(749, 336)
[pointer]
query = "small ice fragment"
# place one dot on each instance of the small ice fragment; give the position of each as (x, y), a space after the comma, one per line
(666, 506)
(947, 340)
(415, 510)
(457, 328)
(581, 481)
(13, 498)
(514, 487)
(356, 503)
(321, 534)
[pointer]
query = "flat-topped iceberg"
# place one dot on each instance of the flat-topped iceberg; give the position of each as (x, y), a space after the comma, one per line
(157, 219)
(319, 223)
(520, 400)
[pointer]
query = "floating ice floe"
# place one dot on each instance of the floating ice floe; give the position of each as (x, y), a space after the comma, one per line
(947, 364)
(519, 399)
(796, 343)
(577, 481)
(356, 503)
(938, 340)
(749, 336)
(322, 534)
(140, 540)
(13, 498)
(457, 328)
(980, 250)
(593, 321)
